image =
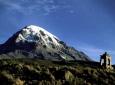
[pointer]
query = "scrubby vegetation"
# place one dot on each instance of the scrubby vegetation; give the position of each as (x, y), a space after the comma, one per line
(44, 72)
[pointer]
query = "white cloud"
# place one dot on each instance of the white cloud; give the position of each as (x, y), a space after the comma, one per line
(35, 6)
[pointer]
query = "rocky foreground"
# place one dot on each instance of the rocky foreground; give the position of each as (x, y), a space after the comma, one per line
(44, 72)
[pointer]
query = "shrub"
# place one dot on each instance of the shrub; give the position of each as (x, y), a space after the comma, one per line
(6, 78)
(69, 76)
(78, 81)
(18, 82)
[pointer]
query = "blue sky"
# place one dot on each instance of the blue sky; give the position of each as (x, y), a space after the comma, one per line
(87, 25)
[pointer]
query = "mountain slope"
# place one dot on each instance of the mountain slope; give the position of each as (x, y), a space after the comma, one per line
(35, 42)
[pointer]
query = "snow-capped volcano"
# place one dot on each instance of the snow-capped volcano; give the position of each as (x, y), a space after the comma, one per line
(34, 33)
(35, 42)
